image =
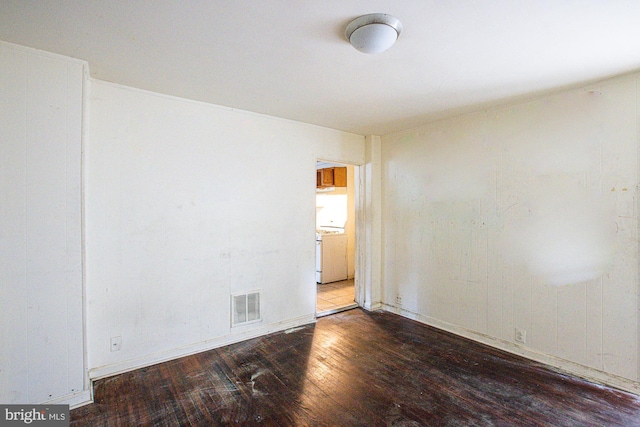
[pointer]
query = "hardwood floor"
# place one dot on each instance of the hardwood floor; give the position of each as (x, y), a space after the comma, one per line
(355, 368)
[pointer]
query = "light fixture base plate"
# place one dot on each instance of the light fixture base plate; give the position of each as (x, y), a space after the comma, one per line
(373, 18)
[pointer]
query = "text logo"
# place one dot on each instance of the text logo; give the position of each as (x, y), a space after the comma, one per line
(34, 415)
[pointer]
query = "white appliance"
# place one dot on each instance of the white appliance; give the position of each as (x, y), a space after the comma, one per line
(331, 256)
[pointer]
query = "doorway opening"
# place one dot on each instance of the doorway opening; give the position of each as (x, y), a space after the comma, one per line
(335, 237)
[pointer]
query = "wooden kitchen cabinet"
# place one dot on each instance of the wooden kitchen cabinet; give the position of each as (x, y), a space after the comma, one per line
(331, 177)
(326, 177)
(340, 177)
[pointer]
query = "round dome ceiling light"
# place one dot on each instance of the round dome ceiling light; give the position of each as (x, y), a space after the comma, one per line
(373, 33)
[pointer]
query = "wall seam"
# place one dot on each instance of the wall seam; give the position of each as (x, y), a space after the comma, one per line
(26, 220)
(636, 225)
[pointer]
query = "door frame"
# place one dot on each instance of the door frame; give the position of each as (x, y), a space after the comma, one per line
(358, 192)
(368, 228)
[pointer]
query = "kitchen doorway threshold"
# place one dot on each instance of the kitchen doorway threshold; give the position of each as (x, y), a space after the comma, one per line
(336, 310)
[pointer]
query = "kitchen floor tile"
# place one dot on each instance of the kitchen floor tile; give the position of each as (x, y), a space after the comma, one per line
(334, 296)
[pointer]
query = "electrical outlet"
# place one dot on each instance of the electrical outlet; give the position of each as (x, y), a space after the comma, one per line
(521, 336)
(116, 343)
(398, 300)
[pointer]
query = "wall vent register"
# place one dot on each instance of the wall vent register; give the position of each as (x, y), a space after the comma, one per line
(245, 308)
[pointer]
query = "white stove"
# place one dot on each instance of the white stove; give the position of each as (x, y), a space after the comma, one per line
(321, 233)
(331, 254)
(328, 230)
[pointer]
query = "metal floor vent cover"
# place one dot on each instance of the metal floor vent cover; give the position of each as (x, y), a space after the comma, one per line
(245, 308)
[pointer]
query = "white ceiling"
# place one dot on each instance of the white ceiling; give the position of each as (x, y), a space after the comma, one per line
(290, 58)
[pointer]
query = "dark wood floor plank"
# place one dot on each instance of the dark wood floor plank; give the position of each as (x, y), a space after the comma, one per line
(355, 368)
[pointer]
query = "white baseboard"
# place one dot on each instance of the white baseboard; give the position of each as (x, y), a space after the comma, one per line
(373, 307)
(152, 359)
(557, 363)
(74, 400)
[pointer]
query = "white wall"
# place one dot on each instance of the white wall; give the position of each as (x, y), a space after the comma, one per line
(368, 191)
(523, 216)
(181, 213)
(41, 312)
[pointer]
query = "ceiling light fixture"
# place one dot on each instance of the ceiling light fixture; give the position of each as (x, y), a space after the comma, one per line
(373, 33)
